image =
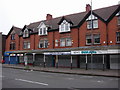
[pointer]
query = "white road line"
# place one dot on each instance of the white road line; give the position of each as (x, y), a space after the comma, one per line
(2, 76)
(31, 81)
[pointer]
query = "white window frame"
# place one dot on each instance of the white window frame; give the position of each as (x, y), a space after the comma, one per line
(62, 42)
(88, 37)
(68, 42)
(117, 37)
(42, 29)
(24, 34)
(65, 42)
(44, 43)
(92, 22)
(96, 36)
(26, 45)
(64, 26)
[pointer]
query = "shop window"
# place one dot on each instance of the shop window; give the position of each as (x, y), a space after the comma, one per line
(12, 46)
(43, 44)
(118, 37)
(64, 26)
(26, 45)
(13, 37)
(96, 38)
(88, 40)
(92, 22)
(65, 42)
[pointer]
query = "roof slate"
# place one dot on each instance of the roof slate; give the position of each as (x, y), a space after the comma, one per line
(76, 18)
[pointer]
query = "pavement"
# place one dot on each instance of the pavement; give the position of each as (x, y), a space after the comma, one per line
(77, 71)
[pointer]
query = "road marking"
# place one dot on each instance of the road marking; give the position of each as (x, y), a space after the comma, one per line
(2, 76)
(70, 78)
(31, 81)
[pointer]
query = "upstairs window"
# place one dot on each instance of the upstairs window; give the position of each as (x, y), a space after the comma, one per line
(26, 45)
(12, 46)
(118, 37)
(43, 44)
(96, 38)
(65, 42)
(13, 37)
(26, 33)
(64, 26)
(92, 22)
(88, 40)
(42, 29)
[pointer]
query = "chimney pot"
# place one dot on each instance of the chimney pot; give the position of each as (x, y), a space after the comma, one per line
(88, 7)
(48, 17)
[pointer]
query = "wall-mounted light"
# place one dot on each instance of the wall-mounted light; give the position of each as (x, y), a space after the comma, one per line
(111, 41)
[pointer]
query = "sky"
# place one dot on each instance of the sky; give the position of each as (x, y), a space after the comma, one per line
(23, 12)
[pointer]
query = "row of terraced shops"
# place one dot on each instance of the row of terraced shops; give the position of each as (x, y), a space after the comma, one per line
(85, 59)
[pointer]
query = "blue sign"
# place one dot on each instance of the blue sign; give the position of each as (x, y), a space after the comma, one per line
(88, 52)
(7, 53)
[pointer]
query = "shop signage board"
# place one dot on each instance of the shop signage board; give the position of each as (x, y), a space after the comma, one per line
(95, 52)
(89, 52)
(57, 53)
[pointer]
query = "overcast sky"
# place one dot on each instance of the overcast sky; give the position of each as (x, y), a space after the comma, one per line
(23, 12)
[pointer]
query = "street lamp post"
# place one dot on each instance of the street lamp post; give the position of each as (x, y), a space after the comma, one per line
(91, 38)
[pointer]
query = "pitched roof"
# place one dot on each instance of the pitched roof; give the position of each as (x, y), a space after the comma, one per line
(76, 19)
(106, 12)
(16, 29)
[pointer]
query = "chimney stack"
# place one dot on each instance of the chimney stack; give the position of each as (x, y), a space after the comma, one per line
(88, 7)
(48, 17)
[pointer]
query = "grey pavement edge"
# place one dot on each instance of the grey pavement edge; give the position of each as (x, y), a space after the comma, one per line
(77, 71)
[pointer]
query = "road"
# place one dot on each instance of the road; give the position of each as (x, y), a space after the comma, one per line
(16, 78)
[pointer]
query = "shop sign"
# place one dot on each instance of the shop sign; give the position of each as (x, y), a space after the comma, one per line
(89, 52)
(57, 53)
(83, 52)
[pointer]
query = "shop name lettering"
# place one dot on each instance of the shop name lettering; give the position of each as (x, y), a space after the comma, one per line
(88, 52)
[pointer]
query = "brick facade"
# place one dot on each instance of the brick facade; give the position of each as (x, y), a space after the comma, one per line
(107, 28)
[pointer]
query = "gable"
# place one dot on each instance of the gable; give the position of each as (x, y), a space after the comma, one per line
(42, 25)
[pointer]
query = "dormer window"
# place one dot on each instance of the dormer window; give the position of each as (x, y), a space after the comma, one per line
(118, 18)
(92, 22)
(26, 33)
(64, 26)
(118, 14)
(42, 29)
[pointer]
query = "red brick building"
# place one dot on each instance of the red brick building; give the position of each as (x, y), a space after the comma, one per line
(80, 40)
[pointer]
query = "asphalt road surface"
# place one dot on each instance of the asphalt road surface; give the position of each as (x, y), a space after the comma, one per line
(16, 78)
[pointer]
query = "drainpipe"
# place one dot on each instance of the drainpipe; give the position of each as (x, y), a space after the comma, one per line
(34, 41)
(78, 62)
